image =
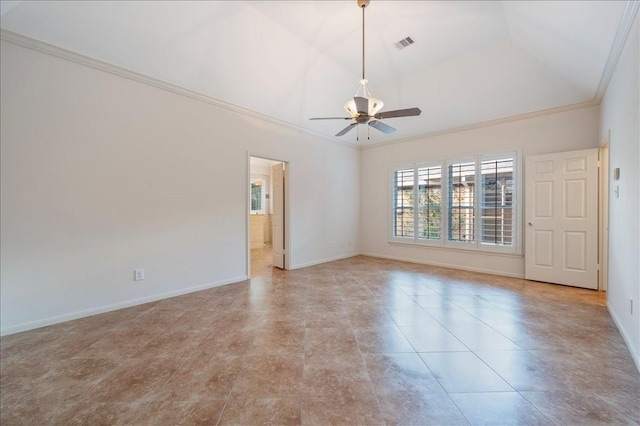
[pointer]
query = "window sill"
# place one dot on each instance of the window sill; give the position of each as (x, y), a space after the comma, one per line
(459, 250)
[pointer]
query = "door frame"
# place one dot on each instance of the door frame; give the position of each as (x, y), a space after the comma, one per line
(603, 215)
(247, 210)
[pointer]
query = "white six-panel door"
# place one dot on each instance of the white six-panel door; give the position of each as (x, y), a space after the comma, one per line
(561, 220)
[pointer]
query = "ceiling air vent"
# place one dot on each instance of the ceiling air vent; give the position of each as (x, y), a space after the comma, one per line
(404, 42)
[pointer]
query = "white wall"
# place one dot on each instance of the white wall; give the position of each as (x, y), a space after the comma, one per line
(620, 115)
(565, 131)
(101, 174)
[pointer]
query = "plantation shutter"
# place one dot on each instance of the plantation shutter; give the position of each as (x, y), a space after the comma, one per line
(429, 202)
(404, 203)
(461, 193)
(497, 198)
(468, 203)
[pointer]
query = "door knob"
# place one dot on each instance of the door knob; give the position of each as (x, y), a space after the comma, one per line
(530, 224)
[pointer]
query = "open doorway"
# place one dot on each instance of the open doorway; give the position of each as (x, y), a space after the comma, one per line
(267, 218)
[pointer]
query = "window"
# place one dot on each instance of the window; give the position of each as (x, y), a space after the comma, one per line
(417, 200)
(429, 200)
(258, 199)
(461, 194)
(404, 203)
(497, 202)
(479, 211)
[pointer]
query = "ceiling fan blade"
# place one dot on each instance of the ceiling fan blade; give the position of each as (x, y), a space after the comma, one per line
(409, 112)
(362, 104)
(331, 118)
(346, 129)
(384, 128)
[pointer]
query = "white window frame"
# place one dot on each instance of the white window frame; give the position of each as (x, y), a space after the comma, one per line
(393, 200)
(459, 244)
(414, 240)
(419, 166)
(517, 195)
(476, 245)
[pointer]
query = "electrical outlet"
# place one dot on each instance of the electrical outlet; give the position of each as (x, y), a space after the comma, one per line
(138, 274)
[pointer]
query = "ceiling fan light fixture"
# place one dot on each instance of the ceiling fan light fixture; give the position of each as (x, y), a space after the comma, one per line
(350, 107)
(373, 106)
(363, 108)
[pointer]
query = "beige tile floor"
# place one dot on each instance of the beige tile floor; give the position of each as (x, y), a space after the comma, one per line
(357, 341)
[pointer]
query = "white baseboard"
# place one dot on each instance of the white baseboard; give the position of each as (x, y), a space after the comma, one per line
(318, 262)
(108, 308)
(446, 265)
(625, 337)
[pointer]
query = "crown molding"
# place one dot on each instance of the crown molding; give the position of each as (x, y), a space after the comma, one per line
(624, 28)
(504, 120)
(58, 52)
(622, 34)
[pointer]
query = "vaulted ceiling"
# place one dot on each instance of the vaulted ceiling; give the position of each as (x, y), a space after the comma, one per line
(472, 61)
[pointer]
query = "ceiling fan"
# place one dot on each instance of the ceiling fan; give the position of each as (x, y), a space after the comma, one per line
(365, 109)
